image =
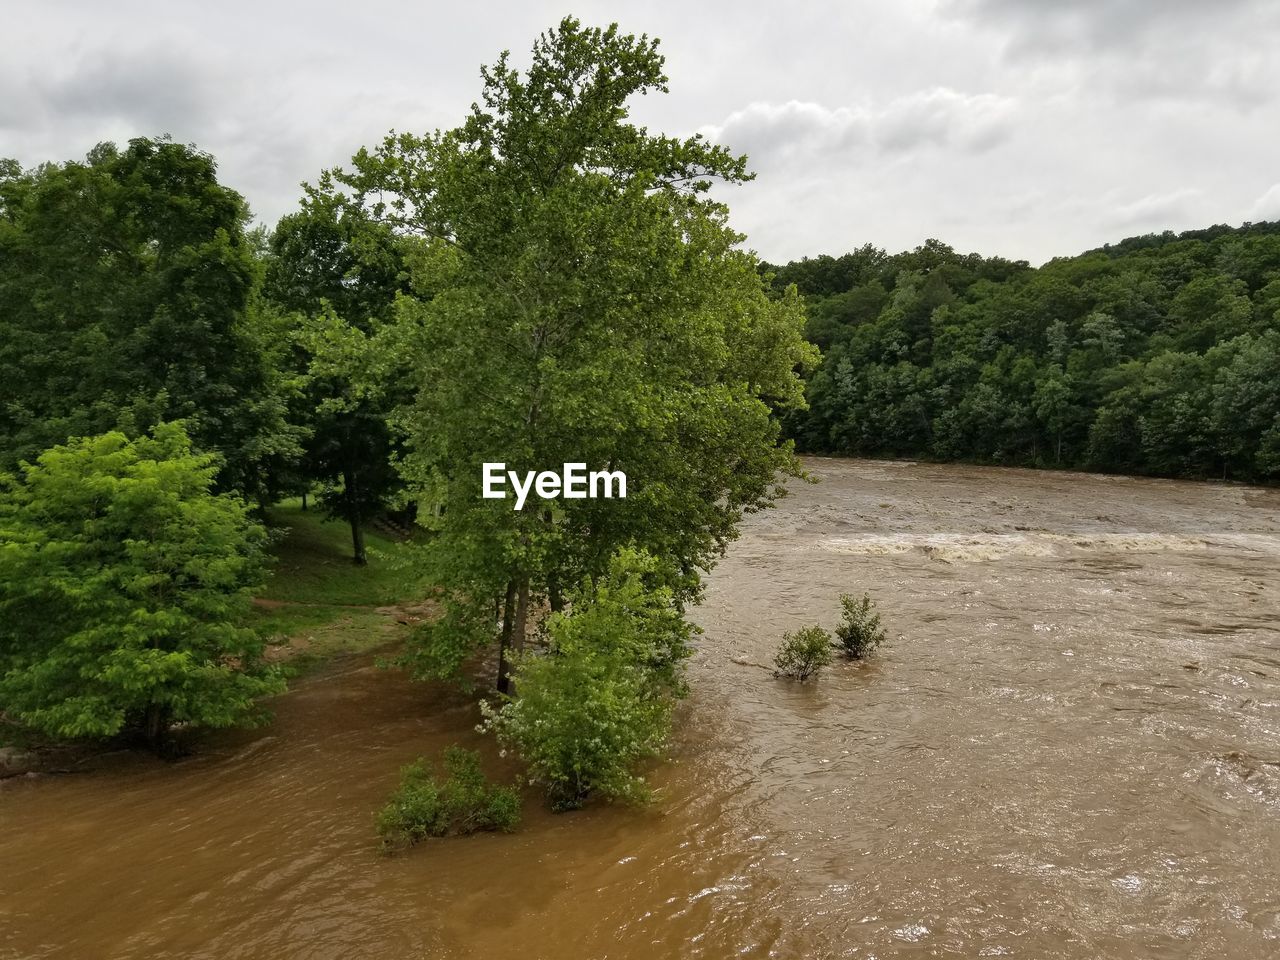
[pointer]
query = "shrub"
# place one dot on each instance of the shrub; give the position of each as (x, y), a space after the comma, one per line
(803, 653)
(125, 581)
(464, 802)
(860, 632)
(599, 702)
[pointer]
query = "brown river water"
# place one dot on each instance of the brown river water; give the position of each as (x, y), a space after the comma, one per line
(1070, 749)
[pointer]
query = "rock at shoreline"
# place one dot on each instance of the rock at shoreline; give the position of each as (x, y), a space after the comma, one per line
(15, 761)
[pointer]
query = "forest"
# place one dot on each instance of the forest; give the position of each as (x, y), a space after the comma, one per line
(1158, 355)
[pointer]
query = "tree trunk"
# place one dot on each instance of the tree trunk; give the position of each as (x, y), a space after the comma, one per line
(353, 516)
(157, 726)
(304, 501)
(504, 642)
(357, 542)
(555, 596)
(522, 617)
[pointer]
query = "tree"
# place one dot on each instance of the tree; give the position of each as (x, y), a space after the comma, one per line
(1209, 310)
(803, 654)
(336, 273)
(351, 448)
(859, 632)
(577, 297)
(332, 255)
(125, 580)
(1052, 405)
(1245, 401)
(153, 327)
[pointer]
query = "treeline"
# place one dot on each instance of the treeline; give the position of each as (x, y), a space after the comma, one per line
(1157, 355)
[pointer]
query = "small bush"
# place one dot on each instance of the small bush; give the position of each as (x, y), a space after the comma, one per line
(584, 721)
(803, 654)
(860, 632)
(464, 802)
(589, 713)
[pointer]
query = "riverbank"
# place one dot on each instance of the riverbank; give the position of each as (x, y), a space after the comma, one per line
(316, 607)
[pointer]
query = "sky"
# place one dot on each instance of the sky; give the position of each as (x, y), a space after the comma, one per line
(1024, 128)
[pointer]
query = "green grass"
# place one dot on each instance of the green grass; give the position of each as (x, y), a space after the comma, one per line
(321, 601)
(313, 563)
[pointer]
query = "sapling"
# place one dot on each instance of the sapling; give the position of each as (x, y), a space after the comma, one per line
(803, 653)
(859, 632)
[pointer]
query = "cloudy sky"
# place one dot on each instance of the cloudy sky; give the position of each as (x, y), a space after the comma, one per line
(1027, 128)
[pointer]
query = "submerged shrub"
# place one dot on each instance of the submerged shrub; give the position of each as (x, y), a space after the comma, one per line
(859, 632)
(598, 703)
(463, 802)
(583, 720)
(803, 653)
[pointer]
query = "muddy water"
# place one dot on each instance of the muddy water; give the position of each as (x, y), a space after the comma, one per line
(1071, 749)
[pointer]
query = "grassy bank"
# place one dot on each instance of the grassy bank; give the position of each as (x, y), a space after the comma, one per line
(318, 604)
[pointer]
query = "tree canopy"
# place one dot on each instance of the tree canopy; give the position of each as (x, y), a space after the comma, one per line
(576, 296)
(125, 282)
(1158, 355)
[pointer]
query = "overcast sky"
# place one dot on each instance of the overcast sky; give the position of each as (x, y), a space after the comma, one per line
(1027, 128)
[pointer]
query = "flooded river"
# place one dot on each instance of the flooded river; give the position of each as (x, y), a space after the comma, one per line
(1070, 749)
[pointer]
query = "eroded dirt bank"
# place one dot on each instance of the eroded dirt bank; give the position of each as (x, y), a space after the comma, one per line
(1072, 750)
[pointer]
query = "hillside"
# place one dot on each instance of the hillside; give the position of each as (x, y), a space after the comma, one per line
(1158, 355)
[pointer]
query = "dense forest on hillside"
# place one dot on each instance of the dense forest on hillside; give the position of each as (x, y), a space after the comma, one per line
(1156, 355)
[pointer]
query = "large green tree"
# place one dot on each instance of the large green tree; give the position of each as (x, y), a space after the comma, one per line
(124, 582)
(125, 282)
(577, 296)
(334, 274)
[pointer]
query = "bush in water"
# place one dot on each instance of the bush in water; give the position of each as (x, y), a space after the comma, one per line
(859, 632)
(592, 709)
(464, 802)
(803, 653)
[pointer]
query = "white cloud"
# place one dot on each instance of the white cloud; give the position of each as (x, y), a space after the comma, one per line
(943, 117)
(1267, 206)
(766, 131)
(1156, 210)
(1090, 25)
(770, 133)
(1176, 50)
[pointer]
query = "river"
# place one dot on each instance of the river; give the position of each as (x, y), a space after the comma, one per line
(1069, 749)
